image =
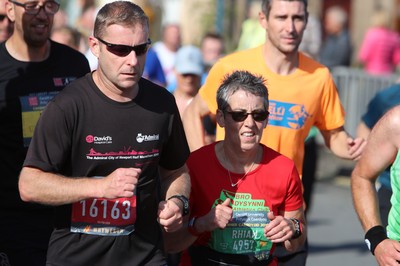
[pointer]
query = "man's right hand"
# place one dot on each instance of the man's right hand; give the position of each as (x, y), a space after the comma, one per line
(388, 252)
(121, 183)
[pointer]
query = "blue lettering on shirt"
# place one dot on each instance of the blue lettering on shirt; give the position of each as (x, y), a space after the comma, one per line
(287, 115)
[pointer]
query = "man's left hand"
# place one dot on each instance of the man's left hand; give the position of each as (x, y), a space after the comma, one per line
(170, 216)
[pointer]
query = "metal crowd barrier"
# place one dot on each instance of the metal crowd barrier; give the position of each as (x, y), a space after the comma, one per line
(356, 88)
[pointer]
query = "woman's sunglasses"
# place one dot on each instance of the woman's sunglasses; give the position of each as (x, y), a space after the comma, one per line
(123, 50)
(240, 116)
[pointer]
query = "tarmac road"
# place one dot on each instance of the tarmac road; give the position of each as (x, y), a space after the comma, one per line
(335, 235)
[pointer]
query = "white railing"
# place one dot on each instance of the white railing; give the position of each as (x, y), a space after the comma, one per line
(356, 88)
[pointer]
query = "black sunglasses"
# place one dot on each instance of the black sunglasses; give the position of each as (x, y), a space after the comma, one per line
(240, 116)
(2, 17)
(123, 50)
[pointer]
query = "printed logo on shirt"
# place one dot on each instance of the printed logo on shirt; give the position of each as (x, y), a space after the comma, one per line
(4, 259)
(140, 138)
(287, 115)
(61, 82)
(32, 106)
(140, 158)
(98, 139)
(244, 234)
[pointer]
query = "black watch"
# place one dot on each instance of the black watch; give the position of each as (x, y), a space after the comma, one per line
(298, 228)
(185, 203)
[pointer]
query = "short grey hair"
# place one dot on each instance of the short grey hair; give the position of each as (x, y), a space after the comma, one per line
(241, 80)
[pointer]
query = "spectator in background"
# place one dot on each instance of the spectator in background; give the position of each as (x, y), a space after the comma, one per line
(153, 70)
(189, 69)
(84, 25)
(380, 49)
(60, 19)
(32, 70)
(252, 33)
(312, 37)
(6, 26)
(85, 21)
(212, 48)
(167, 48)
(68, 36)
(336, 48)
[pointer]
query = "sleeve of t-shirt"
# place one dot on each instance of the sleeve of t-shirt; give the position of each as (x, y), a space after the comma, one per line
(294, 199)
(374, 111)
(331, 115)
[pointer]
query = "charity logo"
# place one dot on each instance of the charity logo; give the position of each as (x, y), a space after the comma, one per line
(289, 115)
(89, 139)
(98, 139)
(140, 137)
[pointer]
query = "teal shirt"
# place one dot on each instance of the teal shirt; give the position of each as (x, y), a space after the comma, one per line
(312, 134)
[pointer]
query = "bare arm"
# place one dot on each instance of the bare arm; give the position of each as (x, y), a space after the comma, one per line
(42, 187)
(192, 122)
(174, 182)
(382, 148)
(342, 144)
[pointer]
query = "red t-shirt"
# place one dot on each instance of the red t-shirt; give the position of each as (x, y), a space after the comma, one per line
(273, 186)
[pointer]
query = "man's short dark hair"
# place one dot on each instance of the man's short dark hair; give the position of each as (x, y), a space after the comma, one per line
(123, 13)
(266, 5)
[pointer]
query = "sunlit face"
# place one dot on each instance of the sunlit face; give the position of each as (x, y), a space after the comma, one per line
(120, 72)
(172, 37)
(188, 83)
(34, 29)
(247, 134)
(211, 50)
(64, 38)
(331, 25)
(285, 25)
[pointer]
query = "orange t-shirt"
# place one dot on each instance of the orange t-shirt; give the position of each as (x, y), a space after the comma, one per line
(307, 97)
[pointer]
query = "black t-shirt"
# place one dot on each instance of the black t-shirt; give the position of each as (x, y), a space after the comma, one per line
(84, 133)
(25, 89)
